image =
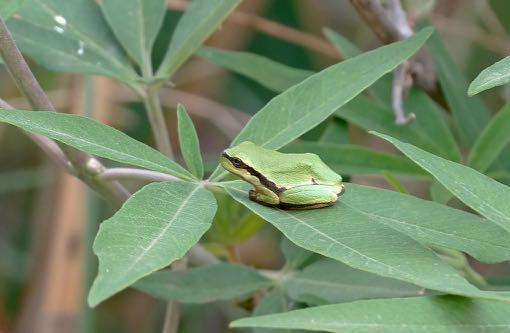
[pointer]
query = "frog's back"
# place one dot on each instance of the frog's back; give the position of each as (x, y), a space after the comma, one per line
(301, 169)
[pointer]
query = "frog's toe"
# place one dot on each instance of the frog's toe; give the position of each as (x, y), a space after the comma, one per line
(342, 191)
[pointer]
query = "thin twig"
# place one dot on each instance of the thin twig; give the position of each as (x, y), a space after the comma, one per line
(391, 25)
(272, 28)
(85, 166)
(399, 88)
(49, 146)
(133, 174)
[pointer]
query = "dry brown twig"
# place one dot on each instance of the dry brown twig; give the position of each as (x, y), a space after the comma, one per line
(390, 25)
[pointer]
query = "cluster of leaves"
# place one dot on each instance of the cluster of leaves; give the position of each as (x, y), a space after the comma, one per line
(374, 243)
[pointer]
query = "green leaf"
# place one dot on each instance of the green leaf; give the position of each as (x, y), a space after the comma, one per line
(274, 301)
(342, 44)
(155, 227)
(381, 89)
(431, 223)
(428, 131)
(307, 104)
(492, 76)
(92, 137)
(356, 239)
(439, 314)
(8, 7)
(199, 21)
(302, 107)
(328, 281)
(295, 256)
(204, 284)
(469, 114)
(491, 142)
(270, 74)
(483, 194)
(356, 160)
(188, 141)
(136, 24)
(70, 37)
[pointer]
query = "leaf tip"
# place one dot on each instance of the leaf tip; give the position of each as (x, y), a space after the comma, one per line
(472, 90)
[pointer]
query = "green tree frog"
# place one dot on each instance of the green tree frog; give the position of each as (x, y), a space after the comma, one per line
(289, 181)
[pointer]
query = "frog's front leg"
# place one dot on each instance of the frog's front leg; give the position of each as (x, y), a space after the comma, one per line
(310, 196)
(264, 196)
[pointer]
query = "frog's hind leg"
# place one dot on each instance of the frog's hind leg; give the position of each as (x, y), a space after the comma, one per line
(264, 196)
(309, 196)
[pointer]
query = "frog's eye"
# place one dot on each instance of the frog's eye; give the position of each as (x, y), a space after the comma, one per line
(237, 162)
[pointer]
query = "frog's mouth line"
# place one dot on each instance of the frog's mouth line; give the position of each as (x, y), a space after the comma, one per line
(262, 179)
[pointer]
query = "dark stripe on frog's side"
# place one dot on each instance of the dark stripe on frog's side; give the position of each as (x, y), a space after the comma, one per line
(262, 179)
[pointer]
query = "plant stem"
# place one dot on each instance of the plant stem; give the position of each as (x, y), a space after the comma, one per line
(157, 122)
(132, 173)
(85, 166)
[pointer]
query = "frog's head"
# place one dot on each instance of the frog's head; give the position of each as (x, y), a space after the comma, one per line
(236, 159)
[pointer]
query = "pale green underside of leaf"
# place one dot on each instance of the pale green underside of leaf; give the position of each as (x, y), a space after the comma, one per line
(155, 227)
(305, 105)
(439, 314)
(70, 36)
(199, 21)
(492, 141)
(136, 24)
(493, 76)
(485, 195)
(270, 74)
(205, 284)
(92, 137)
(329, 281)
(188, 140)
(363, 241)
(349, 159)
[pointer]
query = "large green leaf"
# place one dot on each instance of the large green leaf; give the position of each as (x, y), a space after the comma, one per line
(354, 238)
(494, 138)
(155, 227)
(8, 7)
(204, 284)
(328, 281)
(271, 74)
(305, 105)
(92, 137)
(199, 21)
(70, 36)
(431, 223)
(492, 76)
(355, 160)
(439, 314)
(295, 256)
(381, 89)
(428, 131)
(485, 195)
(136, 24)
(188, 141)
(302, 107)
(469, 114)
